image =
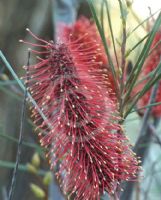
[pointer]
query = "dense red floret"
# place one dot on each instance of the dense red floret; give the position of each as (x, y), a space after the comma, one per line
(150, 64)
(84, 27)
(83, 123)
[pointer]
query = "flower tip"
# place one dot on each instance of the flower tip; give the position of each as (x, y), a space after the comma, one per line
(29, 49)
(27, 29)
(20, 40)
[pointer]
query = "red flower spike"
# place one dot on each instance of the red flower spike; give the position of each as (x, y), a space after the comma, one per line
(150, 64)
(84, 122)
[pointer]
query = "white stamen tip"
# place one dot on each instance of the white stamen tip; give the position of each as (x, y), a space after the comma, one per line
(20, 40)
(29, 49)
(27, 29)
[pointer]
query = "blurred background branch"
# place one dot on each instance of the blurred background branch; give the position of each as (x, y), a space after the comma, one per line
(145, 137)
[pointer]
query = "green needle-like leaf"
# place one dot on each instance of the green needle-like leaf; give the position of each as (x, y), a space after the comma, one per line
(28, 144)
(111, 30)
(11, 165)
(140, 24)
(148, 106)
(139, 64)
(23, 88)
(149, 84)
(101, 32)
(136, 45)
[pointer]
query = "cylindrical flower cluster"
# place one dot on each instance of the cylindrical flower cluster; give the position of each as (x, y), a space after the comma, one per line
(71, 86)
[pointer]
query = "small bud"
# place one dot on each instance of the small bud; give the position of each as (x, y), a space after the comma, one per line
(4, 77)
(47, 178)
(38, 192)
(31, 168)
(128, 3)
(35, 160)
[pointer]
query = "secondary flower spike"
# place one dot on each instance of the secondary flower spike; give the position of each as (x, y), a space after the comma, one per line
(82, 130)
(150, 64)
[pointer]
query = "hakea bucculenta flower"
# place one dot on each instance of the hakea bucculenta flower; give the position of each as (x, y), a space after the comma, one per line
(150, 64)
(82, 131)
